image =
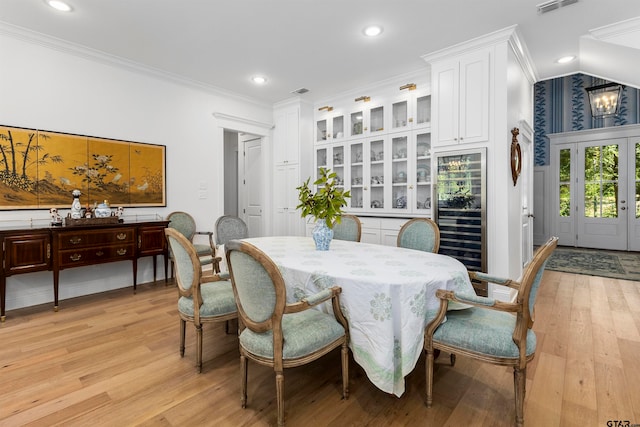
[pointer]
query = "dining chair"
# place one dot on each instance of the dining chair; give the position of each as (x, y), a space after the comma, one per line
(276, 333)
(203, 298)
(489, 330)
(349, 228)
(228, 227)
(421, 234)
(185, 224)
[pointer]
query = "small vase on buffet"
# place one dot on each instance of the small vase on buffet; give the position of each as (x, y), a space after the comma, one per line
(322, 235)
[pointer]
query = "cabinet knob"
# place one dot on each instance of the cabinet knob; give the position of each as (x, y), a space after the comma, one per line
(121, 236)
(75, 257)
(75, 240)
(99, 253)
(122, 252)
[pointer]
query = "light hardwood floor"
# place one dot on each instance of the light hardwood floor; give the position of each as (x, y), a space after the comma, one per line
(113, 360)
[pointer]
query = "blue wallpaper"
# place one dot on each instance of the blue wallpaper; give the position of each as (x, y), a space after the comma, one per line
(562, 105)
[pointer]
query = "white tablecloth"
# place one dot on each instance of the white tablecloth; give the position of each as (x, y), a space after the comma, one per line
(388, 295)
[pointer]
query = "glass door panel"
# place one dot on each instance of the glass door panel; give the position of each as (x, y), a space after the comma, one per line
(338, 127)
(423, 110)
(602, 199)
(423, 171)
(459, 209)
(399, 114)
(376, 168)
(376, 119)
(338, 164)
(357, 120)
(357, 175)
(399, 172)
(321, 130)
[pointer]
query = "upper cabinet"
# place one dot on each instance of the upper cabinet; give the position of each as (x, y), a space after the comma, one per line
(400, 108)
(379, 146)
(461, 99)
(286, 146)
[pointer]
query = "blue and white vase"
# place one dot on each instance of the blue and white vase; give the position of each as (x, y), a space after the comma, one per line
(322, 235)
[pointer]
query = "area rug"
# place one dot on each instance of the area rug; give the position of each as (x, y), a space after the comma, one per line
(596, 262)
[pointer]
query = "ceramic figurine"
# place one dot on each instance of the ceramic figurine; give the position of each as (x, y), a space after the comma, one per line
(76, 207)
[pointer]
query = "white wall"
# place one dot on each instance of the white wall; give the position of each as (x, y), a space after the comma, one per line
(49, 86)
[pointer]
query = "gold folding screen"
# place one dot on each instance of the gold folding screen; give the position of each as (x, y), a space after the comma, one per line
(39, 169)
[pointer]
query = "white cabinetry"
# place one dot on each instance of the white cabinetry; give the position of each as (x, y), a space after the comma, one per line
(291, 134)
(461, 99)
(285, 195)
(380, 149)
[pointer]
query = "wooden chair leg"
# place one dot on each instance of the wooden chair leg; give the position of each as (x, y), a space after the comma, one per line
(345, 371)
(280, 397)
(199, 347)
(243, 381)
(429, 377)
(519, 382)
(183, 326)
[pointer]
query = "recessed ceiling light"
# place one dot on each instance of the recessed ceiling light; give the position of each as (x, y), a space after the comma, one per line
(59, 5)
(565, 59)
(259, 80)
(372, 30)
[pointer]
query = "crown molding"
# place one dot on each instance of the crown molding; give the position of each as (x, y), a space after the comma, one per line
(53, 43)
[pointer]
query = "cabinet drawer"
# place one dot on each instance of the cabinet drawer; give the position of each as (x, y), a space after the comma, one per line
(86, 238)
(87, 256)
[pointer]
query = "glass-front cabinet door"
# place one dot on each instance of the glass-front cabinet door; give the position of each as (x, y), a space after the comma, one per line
(422, 143)
(376, 169)
(376, 119)
(410, 110)
(337, 164)
(356, 123)
(356, 169)
(399, 172)
(330, 126)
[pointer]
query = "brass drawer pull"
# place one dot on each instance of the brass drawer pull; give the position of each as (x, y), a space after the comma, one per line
(75, 257)
(75, 240)
(122, 251)
(121, 236)
(99, 253)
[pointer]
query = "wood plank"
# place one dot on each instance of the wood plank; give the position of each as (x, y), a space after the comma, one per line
(113, 359)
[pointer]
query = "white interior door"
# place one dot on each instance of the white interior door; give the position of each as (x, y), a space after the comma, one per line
(251, 212)
(526, 181)
(601, 197)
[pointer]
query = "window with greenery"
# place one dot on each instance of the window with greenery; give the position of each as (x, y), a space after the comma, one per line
(601, 181)
(565, 182)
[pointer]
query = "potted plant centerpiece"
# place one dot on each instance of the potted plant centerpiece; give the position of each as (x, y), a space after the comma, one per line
(325, 205)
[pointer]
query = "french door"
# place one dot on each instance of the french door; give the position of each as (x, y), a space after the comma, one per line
(598, 193)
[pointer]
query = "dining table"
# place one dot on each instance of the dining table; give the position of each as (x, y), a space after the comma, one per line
(388, 296)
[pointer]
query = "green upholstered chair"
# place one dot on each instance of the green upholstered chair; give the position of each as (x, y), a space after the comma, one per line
(349, 228)
(491, 331)
(276, 333)
(203, 299)
(185, 224)
(421, 234)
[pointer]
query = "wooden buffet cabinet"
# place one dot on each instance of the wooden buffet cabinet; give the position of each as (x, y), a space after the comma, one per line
(26, 250)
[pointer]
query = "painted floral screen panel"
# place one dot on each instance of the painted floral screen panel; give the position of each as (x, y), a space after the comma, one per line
(40, 169)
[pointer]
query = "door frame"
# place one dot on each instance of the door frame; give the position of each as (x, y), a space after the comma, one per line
(567, 228)
(263, 130)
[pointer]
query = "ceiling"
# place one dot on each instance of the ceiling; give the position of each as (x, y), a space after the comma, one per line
(319, 45)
